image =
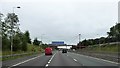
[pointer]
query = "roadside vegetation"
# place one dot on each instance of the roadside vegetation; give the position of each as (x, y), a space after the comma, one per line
(20, 41)
(103, 44)
(110, 48)
(30, 48)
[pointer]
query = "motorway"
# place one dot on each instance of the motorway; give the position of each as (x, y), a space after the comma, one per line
(59, 59)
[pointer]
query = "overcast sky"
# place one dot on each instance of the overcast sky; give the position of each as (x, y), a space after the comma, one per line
(63, 20)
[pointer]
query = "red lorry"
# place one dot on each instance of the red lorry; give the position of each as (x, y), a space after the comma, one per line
(48, 51)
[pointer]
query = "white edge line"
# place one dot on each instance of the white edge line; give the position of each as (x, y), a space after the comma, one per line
(50, 60)
(74, 59)
(46, 65)
(104, 60)
(99, 59)
(24, 62)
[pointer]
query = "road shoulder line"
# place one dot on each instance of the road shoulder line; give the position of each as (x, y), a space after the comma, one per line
(24, 61)
(75, 60)
(98, 59)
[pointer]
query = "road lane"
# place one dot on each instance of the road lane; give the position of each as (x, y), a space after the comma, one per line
(61, 59)
(15, 61)
(37, 61)
(41, 61)
(88, 61)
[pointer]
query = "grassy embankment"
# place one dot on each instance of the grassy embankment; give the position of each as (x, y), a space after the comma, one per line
(31, 49)
(112, 48)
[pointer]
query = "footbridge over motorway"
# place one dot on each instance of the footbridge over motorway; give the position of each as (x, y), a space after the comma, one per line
(59, 45)
(64, 47)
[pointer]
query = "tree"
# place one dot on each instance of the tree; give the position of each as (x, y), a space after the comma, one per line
(36, 41)
(10, 28)
(85, 42)
(20, 42)
(2, 26)
(114, 32)
(5, 43)
(44, 46)
(17, 42)
(113, 36)
(27, 35)
(3, 34)
(102, 40)
(24, 42)
(12, 23)
(1, 15)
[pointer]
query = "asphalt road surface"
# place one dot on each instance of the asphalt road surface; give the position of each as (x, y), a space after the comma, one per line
(60, 59)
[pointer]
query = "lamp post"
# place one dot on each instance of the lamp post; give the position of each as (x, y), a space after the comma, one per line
(117, 35)
(79, 37)
(12, 32)
(99, 43)
(42, 37)
(15, 7)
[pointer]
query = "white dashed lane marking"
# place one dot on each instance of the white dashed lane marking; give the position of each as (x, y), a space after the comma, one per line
(50, 61)
(46, 65)
(74, 59)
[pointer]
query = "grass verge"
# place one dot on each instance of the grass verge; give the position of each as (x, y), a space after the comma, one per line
(15, 57)
(112, 48)
(31, 49)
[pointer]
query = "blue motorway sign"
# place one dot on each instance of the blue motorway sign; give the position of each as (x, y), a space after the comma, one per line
(58, 43)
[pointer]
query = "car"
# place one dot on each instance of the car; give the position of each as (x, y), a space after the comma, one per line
(64, 51)
(48, 51)
(73, 49)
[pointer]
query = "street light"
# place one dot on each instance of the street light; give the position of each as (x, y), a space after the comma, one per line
(12, 32)
(99, 43)
(42, 37)
(117, 35)
(15, 7)
(79, 38)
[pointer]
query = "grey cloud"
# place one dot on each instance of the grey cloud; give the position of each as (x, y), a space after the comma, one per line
(65, 20)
